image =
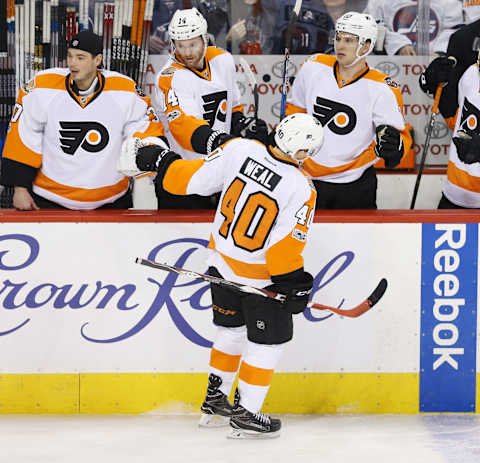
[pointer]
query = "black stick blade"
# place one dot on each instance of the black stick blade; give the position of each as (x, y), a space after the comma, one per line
(378, 292)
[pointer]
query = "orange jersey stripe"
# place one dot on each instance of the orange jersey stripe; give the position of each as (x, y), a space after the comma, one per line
(14, 148)
(462, 179)
(213, 52)
(292, 109)
(119, 83)
(328, 60)
(80, 194)
(179, 174)
(243, 269)
(50, 80)
(255, 375)
(317, 170)
(286, 255)
(451, 121)
(180, 124)
(154, 129)
(224, 362)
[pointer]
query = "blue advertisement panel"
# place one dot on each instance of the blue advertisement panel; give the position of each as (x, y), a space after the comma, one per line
(448, 317)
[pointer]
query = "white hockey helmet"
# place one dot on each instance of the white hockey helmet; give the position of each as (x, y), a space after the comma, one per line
(299, 131)
(359, 24)
(187, 24)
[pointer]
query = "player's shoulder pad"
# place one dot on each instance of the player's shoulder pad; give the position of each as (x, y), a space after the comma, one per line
(53, 78)
(377, 76)
(328, 60)
(117, 81)
(215, 154)
(169, 71)
(308, 179)
(213, 52)
(391, 83)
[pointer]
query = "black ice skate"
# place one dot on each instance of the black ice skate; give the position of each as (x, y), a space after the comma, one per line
(216, 408)
(248, 425)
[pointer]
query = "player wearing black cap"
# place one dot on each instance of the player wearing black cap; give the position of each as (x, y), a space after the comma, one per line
(68, 130)
(84, 56)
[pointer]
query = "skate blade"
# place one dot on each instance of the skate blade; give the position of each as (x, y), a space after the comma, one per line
(213, 421)
(245, 434)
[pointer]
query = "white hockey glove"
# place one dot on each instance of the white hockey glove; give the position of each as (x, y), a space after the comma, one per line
(127, 162)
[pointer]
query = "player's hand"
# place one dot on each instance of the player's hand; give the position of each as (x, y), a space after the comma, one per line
(238, 31)
(389, 145)
(468, 147)
(256, 129)
(297, 292)
(407, 50)
(438, 72)
(149, 158)
(23, 201)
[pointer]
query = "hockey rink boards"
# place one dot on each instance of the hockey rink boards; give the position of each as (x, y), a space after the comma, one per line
(83, 329)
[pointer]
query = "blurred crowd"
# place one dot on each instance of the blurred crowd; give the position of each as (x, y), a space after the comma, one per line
(406, 27)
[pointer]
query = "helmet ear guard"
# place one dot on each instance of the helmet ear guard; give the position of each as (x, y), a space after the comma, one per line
(299, 131)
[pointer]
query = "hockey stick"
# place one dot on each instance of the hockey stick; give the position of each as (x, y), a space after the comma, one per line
(286, 59)
(431, 124)
(253, 83)
(354, 312)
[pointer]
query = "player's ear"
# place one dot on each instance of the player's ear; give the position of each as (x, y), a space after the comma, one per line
(98, 60)
(365, 47)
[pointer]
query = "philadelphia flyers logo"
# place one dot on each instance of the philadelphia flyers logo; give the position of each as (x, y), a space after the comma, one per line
(215, 107)
(90, 136)
(470, 118)
(339, 118)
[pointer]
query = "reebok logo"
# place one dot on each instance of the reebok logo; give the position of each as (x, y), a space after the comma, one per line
(90, 136)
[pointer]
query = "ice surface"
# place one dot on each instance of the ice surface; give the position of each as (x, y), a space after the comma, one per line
(304, 438)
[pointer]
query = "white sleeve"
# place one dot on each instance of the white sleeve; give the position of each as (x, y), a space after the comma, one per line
(142, 121)
(297, 94)
(386, 110)
(209, 179)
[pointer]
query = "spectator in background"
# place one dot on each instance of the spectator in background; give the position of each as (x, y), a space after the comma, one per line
(400, 19)
(314, 29)
(247, 36)
(216, 13)
(162, 14)
(67, 130)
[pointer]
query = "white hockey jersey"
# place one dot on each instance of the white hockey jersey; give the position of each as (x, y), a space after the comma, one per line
(400, 20)
(462, 185)
(471, 10)
(75, 141)
(187, 99)
(266, 207)
(349, 113)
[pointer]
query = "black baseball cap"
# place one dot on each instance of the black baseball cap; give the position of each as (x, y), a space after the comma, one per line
(87, 41)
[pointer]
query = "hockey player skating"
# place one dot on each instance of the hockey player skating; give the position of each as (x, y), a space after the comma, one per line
(198, 98)
(259, 232)
(67, 130)
(361, 112)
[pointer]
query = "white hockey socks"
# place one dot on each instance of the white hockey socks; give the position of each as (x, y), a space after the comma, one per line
(256, 371)
(226, 354)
